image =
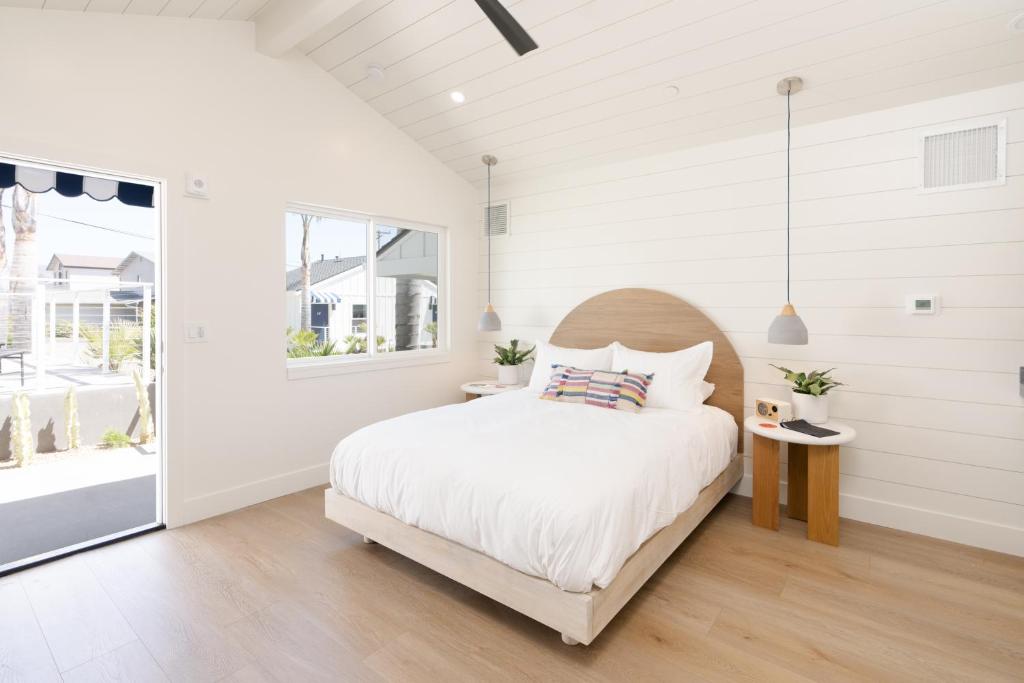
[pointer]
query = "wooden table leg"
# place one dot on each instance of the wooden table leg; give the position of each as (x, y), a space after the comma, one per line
(796, 504)
(766, 482)
(823, 494)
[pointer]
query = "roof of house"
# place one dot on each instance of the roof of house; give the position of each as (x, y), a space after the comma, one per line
(144, 255)
(322, 270)
(82, 261)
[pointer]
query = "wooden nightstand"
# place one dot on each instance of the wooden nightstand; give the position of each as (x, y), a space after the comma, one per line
(813, 489)
(486, 387)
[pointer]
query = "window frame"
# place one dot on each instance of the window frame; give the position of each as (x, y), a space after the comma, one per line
(302, 368)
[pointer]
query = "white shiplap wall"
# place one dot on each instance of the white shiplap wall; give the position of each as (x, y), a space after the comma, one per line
(935, 399)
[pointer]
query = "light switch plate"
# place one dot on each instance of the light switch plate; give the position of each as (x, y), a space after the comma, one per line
(195, 333)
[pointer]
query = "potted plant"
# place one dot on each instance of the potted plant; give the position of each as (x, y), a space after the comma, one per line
(810, 393)
(508, 360)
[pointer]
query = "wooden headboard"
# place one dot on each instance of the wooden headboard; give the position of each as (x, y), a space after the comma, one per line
(649, 320)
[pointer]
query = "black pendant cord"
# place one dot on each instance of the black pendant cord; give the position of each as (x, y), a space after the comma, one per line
(488, 233)
(788, 115)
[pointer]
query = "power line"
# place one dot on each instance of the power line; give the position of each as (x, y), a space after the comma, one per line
(89, 225)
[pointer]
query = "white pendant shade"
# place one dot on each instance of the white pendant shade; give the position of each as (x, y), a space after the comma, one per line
(787, 328)
(489, 320)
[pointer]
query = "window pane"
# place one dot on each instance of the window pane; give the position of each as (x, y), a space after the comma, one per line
(407, 275)
(325, 285)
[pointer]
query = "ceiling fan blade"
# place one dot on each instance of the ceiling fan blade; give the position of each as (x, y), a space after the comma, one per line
(515, 34)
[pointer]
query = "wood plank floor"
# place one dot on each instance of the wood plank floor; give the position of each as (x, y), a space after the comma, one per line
(275, 592)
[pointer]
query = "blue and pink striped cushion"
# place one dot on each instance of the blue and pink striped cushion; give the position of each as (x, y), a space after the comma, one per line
(615, 390)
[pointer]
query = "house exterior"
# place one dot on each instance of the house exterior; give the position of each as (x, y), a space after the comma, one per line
(76, 271)
(136, 267)
(91, 279)
(406, 294)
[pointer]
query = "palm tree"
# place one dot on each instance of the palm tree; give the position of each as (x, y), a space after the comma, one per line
(304, 310)
(23, 267)
(4, 299)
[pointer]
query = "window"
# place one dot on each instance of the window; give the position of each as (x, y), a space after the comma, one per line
(335, 294)
(358, 318)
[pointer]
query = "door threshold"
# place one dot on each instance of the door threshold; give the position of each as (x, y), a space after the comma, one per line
(43, 558)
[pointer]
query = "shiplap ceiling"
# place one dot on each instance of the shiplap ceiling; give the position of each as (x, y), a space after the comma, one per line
(600, 86)
(616, 79)
(237, 10)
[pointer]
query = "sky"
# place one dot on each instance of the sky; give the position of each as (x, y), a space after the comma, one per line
(105, 236)
(328, 236)
(82, 225)
(331, 237)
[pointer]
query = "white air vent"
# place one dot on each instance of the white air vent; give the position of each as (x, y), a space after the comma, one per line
(499, 220)
(963, 158)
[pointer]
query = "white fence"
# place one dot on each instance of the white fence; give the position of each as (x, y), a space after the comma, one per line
(32, 310)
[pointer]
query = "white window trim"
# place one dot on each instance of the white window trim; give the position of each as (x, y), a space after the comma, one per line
(305, 368)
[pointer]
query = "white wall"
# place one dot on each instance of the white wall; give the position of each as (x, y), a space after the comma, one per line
(940, 447)
(162, 97)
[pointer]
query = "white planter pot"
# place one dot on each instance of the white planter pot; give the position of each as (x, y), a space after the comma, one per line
(508, 374)
(814, 409)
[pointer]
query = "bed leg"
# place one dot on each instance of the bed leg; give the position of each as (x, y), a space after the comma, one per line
(368, 540)
(568, 640)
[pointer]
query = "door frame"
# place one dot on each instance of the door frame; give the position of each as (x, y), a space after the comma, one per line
(159, 186)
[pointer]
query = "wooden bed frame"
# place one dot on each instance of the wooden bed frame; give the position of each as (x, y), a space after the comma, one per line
(641, 319)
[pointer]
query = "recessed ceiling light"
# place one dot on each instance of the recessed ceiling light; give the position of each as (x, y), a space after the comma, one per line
(457, 97)
(1017, 23)
(375, 72)
(671, 90)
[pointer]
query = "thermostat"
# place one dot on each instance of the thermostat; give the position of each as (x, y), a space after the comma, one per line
(923, 305)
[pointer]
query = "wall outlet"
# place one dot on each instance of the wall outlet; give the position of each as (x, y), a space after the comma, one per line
(195, 333)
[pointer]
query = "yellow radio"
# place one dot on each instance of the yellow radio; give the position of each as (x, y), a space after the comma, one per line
(776, 411)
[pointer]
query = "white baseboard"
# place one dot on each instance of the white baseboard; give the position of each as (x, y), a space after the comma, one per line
(244, 495)
(975, 532)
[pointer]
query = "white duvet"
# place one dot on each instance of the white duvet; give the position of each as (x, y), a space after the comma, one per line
(566, 492)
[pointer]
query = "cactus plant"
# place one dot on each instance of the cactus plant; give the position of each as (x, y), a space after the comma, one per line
(22, 442)
(72, 427)
(145, 414)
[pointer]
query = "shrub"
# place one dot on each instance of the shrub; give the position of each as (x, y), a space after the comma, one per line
(63, 328)
(125, 342)
(304, 344)
(115, 439)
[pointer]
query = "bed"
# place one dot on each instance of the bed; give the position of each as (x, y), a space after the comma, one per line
(558, 511)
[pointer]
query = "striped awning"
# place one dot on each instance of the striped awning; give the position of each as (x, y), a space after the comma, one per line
(74, 185)
(324, 298)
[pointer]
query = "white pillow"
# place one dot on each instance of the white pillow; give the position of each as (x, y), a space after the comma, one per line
(706, 389)
(549, 354)
(678, 375)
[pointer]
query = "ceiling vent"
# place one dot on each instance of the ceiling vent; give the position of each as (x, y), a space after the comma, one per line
(499, 220)
(963, 158)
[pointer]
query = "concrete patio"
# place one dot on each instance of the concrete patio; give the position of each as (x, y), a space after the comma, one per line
(70, 497)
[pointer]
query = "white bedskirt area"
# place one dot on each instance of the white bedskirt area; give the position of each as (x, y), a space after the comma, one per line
(565, 492)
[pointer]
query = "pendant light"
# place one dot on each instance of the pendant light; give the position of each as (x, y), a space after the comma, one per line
(489, 320)
(788, 328)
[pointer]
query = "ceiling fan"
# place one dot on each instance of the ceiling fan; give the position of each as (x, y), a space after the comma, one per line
(513, 32)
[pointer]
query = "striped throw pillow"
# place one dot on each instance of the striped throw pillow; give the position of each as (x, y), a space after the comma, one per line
(615, 390)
